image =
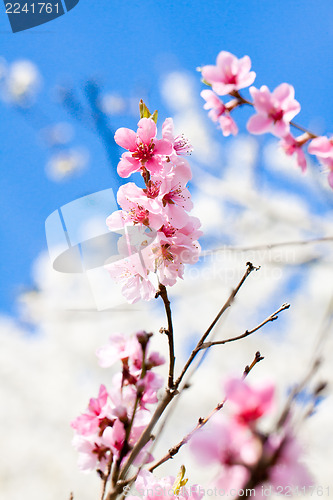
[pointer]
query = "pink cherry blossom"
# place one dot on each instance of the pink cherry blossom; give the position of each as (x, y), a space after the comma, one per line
(230, 446)
(274, 110)
(165, 235)
(170, 253)
(113, 437)
(90, 452)
(170, 198)
(228, 125)
(144, 149)
(292, 145)
(161, 201)
(181, 145)
(149, 386)
(119, 347)
(249, 403)
(230, 73)
(136, 209)
(322, 147)
(89, 422)
(287, 469)
(95, 450)
(134, 278)
(219, 113)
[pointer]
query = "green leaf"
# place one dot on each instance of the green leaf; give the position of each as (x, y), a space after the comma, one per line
(205, 82)
(154, 116)
(144, 111)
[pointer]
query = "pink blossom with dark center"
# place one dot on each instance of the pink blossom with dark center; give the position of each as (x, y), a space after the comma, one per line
(322, 147)
(287, 468)
(134, 278)
(219, 113)
(293, 146)
(229, 74)
(274, 110)
(231, 447)
(181, 145)
(144, 149)
(249, 403)
(97, 410)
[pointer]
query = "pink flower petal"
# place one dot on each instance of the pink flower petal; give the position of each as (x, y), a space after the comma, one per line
(283, 92)
(162, 147)
(127, 166)
(259, 124)
(211, 73)
(126, 138)
(146, 130)
(280, 128)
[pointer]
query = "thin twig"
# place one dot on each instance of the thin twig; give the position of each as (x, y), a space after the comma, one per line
(227, 304)
(300, 386)
(267, 246)
(164, 295)
(106, 477)
(202, 421)
(272, 317)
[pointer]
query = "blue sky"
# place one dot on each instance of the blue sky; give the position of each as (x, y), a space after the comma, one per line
(129, 45)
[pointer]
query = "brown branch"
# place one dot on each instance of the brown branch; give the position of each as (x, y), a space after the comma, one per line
(164, 295)
(142, 441)
(227, 304)
(170, 392)
(272, 317)
(202, 421)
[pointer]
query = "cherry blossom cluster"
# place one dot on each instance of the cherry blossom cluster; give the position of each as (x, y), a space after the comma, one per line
(113, 422)
(247, 457)
(160, 235)
(274, 110)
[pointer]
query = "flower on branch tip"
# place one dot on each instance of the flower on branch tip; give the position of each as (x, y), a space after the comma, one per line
(285, 454)
(230, 446)
(144, 149)
(229, 74)
(134, 278)
(88, 422)
(219, 112)
(274, 110)
(121, 347)
(181, 145)
(322, 147)
(293, 145)
(159, 236)
(249, 403)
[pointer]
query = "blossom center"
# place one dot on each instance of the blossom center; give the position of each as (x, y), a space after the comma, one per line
(276, 114)
(140, 215)
(182, 145)
(144, 152)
